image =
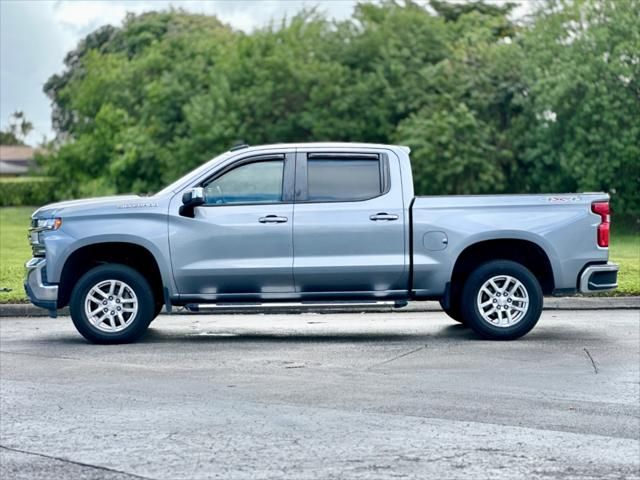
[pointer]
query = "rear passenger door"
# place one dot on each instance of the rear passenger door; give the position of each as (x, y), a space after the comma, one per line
(349, 225)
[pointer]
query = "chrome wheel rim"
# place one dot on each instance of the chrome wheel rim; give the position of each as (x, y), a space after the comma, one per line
(503, 301)
(111, 305)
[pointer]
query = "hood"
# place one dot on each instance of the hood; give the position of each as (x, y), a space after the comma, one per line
(73, 206)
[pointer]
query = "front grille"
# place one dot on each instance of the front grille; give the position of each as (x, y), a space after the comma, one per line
(37, 248)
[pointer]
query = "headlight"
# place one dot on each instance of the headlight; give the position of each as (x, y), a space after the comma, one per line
(49, 223)
(35, 233)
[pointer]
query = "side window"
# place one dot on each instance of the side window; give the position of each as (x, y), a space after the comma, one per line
(258, 182)
(343, 180)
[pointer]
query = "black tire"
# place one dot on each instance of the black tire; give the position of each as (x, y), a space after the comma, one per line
(453, 311)
(158, 308)
(477, 279)
(145, 301)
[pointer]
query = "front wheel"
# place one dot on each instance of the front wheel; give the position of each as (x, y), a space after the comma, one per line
(501, 300)
(112, 303)
(453, 310)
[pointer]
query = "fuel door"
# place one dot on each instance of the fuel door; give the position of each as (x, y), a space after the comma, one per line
(434, 241)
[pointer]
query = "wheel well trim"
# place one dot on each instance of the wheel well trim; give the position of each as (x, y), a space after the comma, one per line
(514, 235)
(156, 254)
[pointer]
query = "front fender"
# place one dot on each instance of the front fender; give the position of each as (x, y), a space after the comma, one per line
(155, 243)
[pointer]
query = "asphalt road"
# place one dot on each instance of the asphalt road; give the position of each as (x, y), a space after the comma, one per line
(402, 395)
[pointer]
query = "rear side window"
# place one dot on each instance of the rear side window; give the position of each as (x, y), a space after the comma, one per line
(343, 180)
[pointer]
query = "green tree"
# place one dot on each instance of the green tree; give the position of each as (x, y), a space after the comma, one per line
(452, 152)
(17, 131)
(580, 130)
(119, 106)
(487, 104)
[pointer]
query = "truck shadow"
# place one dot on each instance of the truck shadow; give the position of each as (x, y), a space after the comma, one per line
(444, 334)
(160, 335)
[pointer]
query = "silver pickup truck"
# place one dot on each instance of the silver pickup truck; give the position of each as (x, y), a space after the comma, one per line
(321, 224)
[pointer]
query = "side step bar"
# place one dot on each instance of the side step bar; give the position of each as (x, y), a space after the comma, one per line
(197, 307)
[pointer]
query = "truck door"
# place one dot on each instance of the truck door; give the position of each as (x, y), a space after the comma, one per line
(241, 240)
(349, 224)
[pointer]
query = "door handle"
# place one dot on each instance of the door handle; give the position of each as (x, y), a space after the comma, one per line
(273, 219)
(383, 216)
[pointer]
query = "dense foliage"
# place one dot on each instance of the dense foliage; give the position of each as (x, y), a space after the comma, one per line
(19, 191)
(548, 104)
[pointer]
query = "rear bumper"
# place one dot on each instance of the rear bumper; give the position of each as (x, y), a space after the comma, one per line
(38, 290)
(599, 278)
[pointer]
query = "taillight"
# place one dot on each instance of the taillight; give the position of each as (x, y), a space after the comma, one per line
(602, 209)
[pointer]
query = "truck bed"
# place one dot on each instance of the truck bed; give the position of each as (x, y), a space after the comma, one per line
(560, 224)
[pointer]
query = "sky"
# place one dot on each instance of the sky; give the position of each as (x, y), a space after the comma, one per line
(35, 36)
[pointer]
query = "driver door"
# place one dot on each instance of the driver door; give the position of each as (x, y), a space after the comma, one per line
(240, 242)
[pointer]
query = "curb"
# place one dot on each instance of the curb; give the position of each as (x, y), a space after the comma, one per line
(550, 303)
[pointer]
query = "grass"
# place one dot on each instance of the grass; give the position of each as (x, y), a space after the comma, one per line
(625, 250)
(15, 251)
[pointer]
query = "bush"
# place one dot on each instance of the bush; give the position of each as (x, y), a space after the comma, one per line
(23, 191)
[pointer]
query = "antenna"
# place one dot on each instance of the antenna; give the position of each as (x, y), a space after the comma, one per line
(239, 145)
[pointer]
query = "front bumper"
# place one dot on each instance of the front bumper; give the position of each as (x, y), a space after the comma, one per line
(599, 278)
(38, 290)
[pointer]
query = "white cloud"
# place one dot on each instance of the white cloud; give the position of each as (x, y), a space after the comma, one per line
(37, 34)
(80, 16)
(32, 48)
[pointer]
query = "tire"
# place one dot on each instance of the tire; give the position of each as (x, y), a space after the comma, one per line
(121, 299)
(156, 311)
(454, 311)
(507, 312)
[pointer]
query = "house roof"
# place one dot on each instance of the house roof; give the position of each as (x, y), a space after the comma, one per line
(16, 159)
(12, 153)
(13, 168)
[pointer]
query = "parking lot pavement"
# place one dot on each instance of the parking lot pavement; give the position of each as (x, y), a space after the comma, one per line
(386, 395)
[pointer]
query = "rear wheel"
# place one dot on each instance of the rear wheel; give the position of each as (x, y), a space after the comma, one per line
(112, 303)
(501, 300)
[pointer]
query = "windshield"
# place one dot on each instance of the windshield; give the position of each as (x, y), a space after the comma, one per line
(193, 174)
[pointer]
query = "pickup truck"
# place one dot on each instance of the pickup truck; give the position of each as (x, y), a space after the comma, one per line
(314, 224)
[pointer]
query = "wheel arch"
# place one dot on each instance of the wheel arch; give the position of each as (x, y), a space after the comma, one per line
(524, 251)
(89, 255)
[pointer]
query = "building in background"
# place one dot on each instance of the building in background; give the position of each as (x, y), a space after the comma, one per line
(16, 160)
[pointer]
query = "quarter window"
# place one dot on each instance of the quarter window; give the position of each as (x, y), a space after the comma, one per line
(343, 180)
(258, 182)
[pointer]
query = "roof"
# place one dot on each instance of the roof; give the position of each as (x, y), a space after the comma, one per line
(12, 168)
(327, 145)
(16, 159)
(10, 153)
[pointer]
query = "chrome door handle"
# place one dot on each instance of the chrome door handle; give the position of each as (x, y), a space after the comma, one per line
(272, 219)
(383, 216)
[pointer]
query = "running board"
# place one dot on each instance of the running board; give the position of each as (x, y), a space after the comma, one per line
(196, 307)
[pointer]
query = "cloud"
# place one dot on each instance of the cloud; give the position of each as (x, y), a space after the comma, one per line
(81, 17)
(32, 48)
(37, 34)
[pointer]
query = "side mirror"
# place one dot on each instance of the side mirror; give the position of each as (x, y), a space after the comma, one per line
(192, 198)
